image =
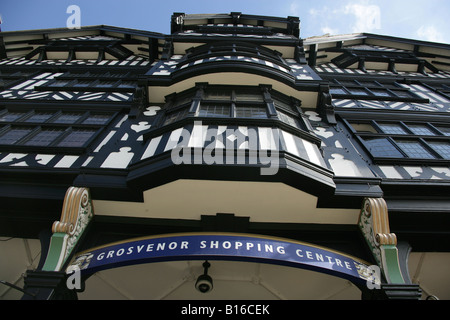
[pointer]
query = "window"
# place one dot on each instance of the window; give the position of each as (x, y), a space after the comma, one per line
(414, 149)
(13, 134)
(76, 138)
(43, 137)
(251, 112)
(382, 147)
(403, 139)
(214, 110)
(67, 117)
(387, 60)
(286, 118)
(8, 78)
(88, 81)
(39, 117)
(354, 89)
(175, 116)
(224, 49)
(96, 119)
(232, 103)
(20, 129)
(439, 89)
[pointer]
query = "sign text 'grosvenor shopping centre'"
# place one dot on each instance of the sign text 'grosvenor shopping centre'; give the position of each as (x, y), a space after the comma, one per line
(222, 247)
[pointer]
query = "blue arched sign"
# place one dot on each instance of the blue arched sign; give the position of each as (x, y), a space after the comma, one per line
(223, 246)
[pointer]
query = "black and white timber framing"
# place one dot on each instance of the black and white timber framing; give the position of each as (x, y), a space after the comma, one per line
(349, 117)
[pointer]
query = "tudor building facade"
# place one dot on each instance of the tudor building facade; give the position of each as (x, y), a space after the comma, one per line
(299, 168)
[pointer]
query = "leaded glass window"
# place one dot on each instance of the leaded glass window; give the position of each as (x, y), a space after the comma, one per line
(403, 139)
(57, 128)
(233, 103)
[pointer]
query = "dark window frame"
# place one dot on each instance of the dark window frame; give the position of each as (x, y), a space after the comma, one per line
(233, 48)
(273, 103)
(393, 91)
(93, 81)
(374, 130)
(351, 56)
(14, 76)
(67, 128)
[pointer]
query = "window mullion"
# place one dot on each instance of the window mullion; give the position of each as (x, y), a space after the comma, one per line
(371, 93)
(28, 136)
(405, 126)
(196, 101)
(392, 141)
(376, 126)
(63, 134)
(233, 104)
(436, 130)
(272, 112)
(429, 148)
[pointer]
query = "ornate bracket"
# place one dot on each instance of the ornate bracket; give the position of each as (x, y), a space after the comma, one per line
(76, 213)
(139, 102)
(325, 106)
(374, 225)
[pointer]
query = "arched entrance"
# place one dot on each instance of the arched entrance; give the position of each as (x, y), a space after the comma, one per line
(255, 264)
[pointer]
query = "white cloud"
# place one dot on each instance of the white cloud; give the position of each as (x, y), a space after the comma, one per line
(294, 9)
(368, 16)
(430, 33)
(328, 30)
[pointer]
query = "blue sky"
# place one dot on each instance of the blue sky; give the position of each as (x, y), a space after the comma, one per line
(415, 19)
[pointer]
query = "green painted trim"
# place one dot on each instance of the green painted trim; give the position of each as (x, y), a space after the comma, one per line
(391, 265)
(55, 251)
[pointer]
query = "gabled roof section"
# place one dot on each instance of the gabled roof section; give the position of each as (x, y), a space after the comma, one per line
(355, 50)
(119, 43)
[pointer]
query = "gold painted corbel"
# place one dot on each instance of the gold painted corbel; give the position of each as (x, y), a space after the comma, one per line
(77, 212)
(374, 225)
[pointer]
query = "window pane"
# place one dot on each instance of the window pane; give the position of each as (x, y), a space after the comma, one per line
(59, 83)
(39, 117)
(182, 100)
(83, 83)
(44, 137)
(442, 147)
(127, 84)
(175, 116)
(285, 106)
(337, 91)
(414, 149)
(444, 130)
(217, 95)
(77, 138)
(214, 110)
(13, 135)
(381, 93)
(97, 119)
(363, 127)
(420, 129)
(382, 147)
(6, 82)
(105, 84)
(369, 83)
(288, 119)
(392, 128)
(348, 82)
(248, 96)
(67, 118)
(11, 116)
(359, 92)
(404, 94)
(251, 112)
